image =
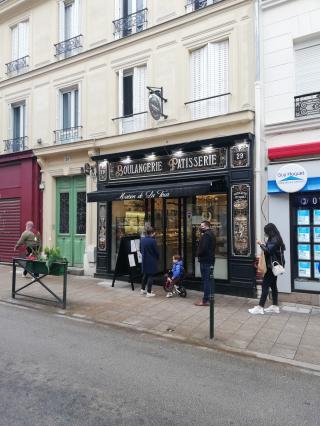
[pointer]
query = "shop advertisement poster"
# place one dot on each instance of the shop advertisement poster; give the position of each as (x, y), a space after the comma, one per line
(304, 252)
(316, 270)
(304, 269)
(303, 217)
(316, 251)
(316, 217)
(304, 234)
(316, 234)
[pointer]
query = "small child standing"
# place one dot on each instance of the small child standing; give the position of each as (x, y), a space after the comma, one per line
(177, 271)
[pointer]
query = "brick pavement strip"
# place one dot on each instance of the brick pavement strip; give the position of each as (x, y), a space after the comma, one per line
(291, 337)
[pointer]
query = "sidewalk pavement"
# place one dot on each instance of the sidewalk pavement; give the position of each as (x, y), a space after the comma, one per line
(293, 336)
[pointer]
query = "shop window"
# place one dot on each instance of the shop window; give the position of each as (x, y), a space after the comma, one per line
(209, 80)
(128, 217)
(132, 100)
(306, 241)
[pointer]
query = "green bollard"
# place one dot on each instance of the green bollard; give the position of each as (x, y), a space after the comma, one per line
(211, 299)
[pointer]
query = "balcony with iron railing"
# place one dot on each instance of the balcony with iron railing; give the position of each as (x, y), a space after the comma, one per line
(210, 106)
(307, 105)
(70, 134)
(16, 144)
(132, 123)
(17, 66)
(130, 24)
(68, 47)
(199, 4)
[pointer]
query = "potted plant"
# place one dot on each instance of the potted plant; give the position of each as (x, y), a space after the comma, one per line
(55, 263)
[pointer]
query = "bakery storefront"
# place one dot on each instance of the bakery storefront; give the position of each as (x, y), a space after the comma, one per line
(175, 189)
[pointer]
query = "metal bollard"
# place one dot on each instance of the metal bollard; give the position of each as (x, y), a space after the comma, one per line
(211, 299)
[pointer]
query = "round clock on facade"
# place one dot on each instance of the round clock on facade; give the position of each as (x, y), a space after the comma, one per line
(155, 106)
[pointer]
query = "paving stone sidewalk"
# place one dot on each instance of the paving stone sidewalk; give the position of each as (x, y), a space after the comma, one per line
(292, 336)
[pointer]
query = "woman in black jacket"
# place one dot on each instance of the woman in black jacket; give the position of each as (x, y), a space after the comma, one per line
(273, 251)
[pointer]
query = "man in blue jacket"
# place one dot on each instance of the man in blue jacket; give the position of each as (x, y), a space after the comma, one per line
(206, 257)
(150, 257)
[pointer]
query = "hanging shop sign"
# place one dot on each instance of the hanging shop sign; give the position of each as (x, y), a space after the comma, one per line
(240, 196)
(291, 178)
(169, 165)
(155, 102)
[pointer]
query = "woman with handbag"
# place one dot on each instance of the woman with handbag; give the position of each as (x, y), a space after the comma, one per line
(273, 251)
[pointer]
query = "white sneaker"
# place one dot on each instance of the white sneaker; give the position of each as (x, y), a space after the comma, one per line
(169, 295)
(273, 309)
(256, 310)
(150, 294)
(143, 291)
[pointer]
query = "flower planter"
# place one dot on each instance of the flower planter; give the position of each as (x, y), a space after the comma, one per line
(40, 267)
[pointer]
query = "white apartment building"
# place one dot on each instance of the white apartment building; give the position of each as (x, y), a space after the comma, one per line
(120, 99)
(291, 74)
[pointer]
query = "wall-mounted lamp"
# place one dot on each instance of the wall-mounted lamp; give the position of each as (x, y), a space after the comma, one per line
(178, 153)
(126, 160)
(39, 141)
(42, 186)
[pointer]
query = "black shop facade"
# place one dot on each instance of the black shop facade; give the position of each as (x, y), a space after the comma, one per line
(174, 188)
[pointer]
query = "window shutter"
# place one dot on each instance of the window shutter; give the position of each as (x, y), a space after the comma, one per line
(209, 2)
(117, 15)
(23, 39)
(10, 116)
(189, 7)
(308, 69)
(199, 83)
(120, 99)
(15, 42)
(75, 18)
(61, 21)
(218, 75)
(139, 96)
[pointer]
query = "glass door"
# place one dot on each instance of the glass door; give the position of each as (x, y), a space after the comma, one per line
(173, 229)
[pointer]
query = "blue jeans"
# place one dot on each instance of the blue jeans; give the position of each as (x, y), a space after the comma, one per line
(207, 282)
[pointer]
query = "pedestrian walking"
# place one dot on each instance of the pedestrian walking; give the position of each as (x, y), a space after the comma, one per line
(273, 250)
(206, 257)
(150, 258)
(30, 239)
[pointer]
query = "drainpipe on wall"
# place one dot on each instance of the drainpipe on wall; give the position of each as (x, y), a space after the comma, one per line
(260, 154)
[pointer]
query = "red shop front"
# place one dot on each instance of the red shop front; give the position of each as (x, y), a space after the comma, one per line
(20, 199)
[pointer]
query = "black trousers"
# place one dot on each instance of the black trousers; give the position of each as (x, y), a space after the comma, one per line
(147, 280)
(269, 280)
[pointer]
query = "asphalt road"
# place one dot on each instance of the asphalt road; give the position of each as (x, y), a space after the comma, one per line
(57, 371)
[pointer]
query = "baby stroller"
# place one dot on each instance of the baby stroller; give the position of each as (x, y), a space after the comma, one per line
(174, 287)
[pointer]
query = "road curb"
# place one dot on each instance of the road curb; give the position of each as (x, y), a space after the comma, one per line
(208, 345)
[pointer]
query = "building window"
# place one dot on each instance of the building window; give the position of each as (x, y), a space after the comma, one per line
(18, 139)
(70, 129)
(19, 49)
(209, 80)
(132, 99)
(307, 67)
(198, 4)
(130, 17)
(70, 39)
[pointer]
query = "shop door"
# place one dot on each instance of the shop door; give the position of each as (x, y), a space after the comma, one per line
(71, 218)
(173, 229)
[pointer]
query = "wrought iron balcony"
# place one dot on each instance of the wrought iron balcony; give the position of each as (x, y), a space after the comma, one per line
(307, 105)
(132, 123)
(130, 24)
(17, 66)
(70, 134)
(199, 4)
(210, 106)
(68, 47)
(16, 144)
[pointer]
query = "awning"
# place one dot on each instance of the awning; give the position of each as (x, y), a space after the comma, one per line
(169, 190)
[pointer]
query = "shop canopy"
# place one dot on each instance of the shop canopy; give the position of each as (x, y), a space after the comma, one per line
(169, 190)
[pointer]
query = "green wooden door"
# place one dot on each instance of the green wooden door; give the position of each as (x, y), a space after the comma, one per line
(71, 218)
